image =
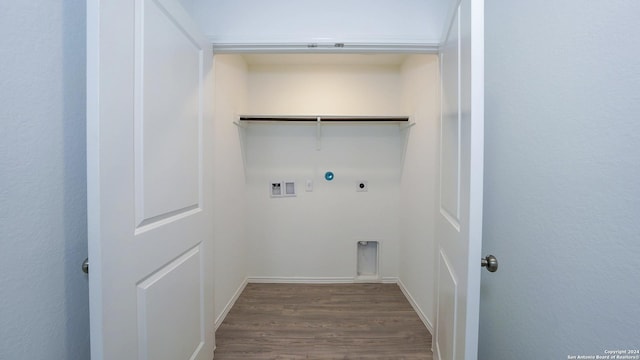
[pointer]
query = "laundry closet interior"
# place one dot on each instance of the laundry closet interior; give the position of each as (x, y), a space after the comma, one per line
(283, 124)
(289, 115)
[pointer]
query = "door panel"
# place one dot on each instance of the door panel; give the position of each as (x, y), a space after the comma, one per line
(166, 297)
(149, 127)
(450, 127)
(167, 86)
(447, 310)
(459, 224)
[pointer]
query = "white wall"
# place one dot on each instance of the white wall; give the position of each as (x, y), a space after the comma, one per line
(44, 295)
(314, 235)
(374, 21)
(229, 181)
(329, 84)
(562, 194)
(419, 184)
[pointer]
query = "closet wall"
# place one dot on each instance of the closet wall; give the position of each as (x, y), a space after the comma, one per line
(313, 236)
(325, 84)
(229, 219)
(419, 184)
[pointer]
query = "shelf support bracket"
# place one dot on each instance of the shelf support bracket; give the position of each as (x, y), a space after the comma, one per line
(318, 123)
(406, 126)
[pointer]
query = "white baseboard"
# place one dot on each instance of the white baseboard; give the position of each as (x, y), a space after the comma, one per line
(415, 306)
(229, 305)
(299, 280)
(317, 280)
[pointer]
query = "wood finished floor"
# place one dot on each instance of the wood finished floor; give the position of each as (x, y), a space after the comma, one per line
(337, 321)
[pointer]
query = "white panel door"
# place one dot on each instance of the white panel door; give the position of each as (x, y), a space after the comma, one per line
(459, 224)
(149, 87)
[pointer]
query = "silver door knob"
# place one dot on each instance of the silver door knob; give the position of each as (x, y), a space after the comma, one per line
(490, 262)
(85, 266)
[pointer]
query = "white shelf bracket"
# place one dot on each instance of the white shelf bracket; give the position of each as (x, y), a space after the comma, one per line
(318, 124)
(406, 126)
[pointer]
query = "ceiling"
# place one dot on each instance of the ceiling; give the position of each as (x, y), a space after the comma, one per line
(346, 22)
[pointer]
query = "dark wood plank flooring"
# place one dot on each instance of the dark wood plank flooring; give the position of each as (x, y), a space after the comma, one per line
(337, 321)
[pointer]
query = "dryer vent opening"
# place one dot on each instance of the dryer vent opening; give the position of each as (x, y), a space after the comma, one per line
(368, 254)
